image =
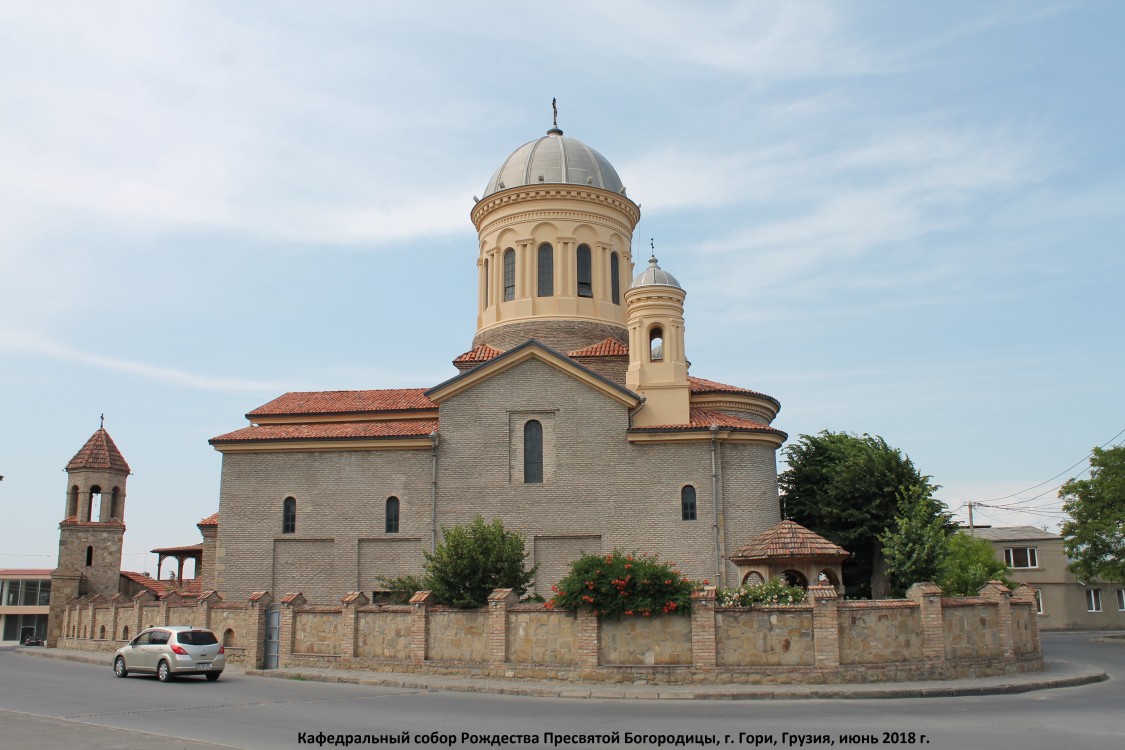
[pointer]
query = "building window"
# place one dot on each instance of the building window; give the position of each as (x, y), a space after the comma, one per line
(94, 504)
(228, 638)
(89, 557)
(115, 504)
(1093, 600)
(486, 282)
(72, 503)
(1121, 600)
(532, 452)
(687, 503)
(546, 264)
(585, 275)
(614, 279)
(392, 515)
(289, 516)
(656, 344)
(509, 275)
(1039, 601)
(1021, 557)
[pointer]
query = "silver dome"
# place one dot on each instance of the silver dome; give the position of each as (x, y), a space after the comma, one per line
(555, 159)
(654, 275)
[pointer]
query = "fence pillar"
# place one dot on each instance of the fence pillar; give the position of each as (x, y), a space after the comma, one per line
(1025, 593)
(704, 648)
(996, 591)
(419, 622)
(290, 603)
(928, 596)
(498, 602)
(588, 634)
(349, 622)
(260, 602)
(826, 626)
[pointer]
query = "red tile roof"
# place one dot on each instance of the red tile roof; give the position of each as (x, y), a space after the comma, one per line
(344, 402)
(482, 353)
(609, 347)
(29, 572)
(330, 431)
(148, 582)
(702, 419)
(211, 520)
(788, 539)
(99, 452)
(701, 385)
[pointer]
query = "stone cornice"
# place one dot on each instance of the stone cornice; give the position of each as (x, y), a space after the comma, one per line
(554, 192)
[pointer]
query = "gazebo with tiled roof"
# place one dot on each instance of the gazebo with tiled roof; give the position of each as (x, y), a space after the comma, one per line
(789, 549)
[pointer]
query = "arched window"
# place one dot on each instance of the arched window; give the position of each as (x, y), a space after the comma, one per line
(89, 557)
(289, 516)
(101, 633)
(509, 275)
(585, 276)
(125, 633)
(687, 503)
(486, 282)
(546, 264)
(228, 638)
(72, 502)
(656, 344)
(614, 279)
(115, 503)
(94, 505)
(532, 452)
(392, 515)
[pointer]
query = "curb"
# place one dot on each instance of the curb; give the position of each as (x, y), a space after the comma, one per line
(1073, 675)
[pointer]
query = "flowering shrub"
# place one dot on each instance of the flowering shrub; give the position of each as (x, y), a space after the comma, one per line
(773, 591)
(623, 584)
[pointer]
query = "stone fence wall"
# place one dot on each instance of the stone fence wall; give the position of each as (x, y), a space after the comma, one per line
(823, 640)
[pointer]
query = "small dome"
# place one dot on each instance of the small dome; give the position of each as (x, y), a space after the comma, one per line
(654, 275)
(555, 159)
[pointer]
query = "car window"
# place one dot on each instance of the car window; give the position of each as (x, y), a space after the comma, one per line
(160, 637)
(197, 637)
(143, 639)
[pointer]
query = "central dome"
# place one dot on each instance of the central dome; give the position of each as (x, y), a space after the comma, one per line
(555, 159)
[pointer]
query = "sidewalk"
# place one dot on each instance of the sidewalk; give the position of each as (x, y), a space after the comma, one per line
(1054, 675)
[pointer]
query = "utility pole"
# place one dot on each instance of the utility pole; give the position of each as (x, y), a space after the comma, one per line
(970, 518)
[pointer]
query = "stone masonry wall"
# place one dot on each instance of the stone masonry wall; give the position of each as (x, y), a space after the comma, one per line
(970, 629)
(774, 636)
(542, 637)
(458, 635)
(317, 632)
(882, 634)
(383, 635)
(647, 641)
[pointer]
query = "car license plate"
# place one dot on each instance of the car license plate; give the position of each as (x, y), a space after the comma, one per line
(204, 665)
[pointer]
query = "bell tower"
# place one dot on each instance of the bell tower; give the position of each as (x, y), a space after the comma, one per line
(658, 365)
(93, 527)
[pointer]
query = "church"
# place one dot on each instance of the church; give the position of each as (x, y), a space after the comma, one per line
(573, 418)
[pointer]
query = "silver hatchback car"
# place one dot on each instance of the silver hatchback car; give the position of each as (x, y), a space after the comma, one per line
(170, 651)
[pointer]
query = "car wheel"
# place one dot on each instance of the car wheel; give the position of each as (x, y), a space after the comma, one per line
(212, 676)
(119, 667)
(163, 671)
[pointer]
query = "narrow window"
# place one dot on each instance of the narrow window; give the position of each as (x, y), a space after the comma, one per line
(228, 638)
(486, 282)
(115, 504)
(89, 557)
(687, 503)
(509, 275)
(94, 506)
(614, 279)
(289, 516)
(392, 515)
(585, 278)
(125, 633)
(532, 452)
(72, 503)
(546, 262)
(1093, 600)
(101, 633)
(656, 344)
(1121, 600)
(1039, 601)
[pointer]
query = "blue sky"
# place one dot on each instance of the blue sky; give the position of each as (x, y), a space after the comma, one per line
(903, 219)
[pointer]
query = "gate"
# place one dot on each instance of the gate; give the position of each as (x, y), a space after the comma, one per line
(273, 636)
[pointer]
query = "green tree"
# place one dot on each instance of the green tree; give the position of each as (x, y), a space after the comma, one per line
(916, 545)
(617, 584)
(846, 488)
(473, 560)
(970, 564)
(1094, 536)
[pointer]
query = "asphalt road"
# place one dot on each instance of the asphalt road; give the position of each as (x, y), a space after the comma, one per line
(47, 704)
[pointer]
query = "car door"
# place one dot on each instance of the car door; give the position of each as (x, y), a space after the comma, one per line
(156, 648)
(135, 654)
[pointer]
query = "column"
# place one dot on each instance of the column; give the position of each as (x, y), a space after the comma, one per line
(498, 603)
(928, 596)
(587, 639)
(996, 591)
(349, 621)
(826, 626)
(419, 622)
(704, 649)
